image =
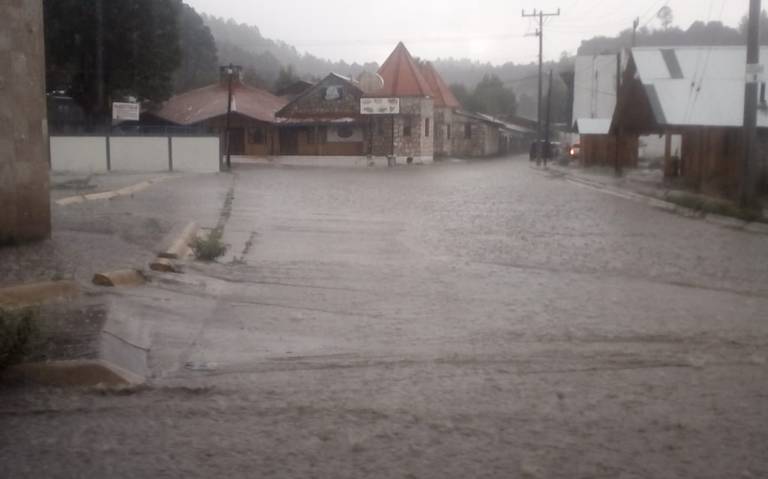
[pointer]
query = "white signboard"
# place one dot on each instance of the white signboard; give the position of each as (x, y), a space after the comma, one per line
(380, 106)
(125, 111)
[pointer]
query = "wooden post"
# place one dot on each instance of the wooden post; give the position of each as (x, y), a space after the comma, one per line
(670, 171)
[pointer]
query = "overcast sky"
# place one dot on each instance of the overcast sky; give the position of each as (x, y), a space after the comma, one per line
(486, 30)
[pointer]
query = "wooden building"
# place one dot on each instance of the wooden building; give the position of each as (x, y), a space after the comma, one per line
(599, 147)
(698, 93)
(252, 130)
(324, 120)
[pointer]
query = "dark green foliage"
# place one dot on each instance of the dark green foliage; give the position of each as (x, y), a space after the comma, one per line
(244, 45)
(17, 330)
(199, 59)
(138, 41)
(490, 96)
(285, 78)
(210, 247)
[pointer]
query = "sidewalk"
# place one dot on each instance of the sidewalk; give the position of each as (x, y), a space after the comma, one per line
(647, 186)
(119, 222)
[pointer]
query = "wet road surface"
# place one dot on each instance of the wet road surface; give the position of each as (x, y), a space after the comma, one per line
(459, 320)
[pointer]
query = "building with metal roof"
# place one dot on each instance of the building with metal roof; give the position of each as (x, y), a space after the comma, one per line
(698, 93)
(253, 113)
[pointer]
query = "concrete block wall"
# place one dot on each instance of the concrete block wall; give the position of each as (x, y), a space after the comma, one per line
(25, 212)
(96, 154)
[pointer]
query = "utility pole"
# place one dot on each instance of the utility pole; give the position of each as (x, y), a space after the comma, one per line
(635, 25)
(747, 187)
(230, 73)
(617, 118)
(547, 149)
(540, 33)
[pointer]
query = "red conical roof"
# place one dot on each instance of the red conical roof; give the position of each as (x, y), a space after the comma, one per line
(442, 94)
(402, 76)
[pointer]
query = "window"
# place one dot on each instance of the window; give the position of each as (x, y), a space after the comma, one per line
(448, 131)
(380, 126)
(762, 94)
(311, 137)
(257, 136)
(426, 127)
(406, 127)
(345, 131)
(467, 131)
(333, 93)
(323, 134)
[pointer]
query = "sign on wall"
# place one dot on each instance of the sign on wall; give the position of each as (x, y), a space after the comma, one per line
(380, 106)
(125, 111)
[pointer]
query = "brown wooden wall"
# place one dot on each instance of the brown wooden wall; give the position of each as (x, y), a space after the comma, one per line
(710, 160)
(600, 150)
(246, 136)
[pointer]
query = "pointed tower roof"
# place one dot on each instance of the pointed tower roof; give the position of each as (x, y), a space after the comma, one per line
(402, 76)
(442, 94)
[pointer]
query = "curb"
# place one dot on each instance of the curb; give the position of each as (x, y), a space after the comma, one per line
(108, 195)
(125, 277)
(34, 293)
(718, 220)
(180, 247)
(77, 373)
(164, 265)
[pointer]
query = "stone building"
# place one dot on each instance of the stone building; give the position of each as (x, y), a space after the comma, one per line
(252, 130)
(408, 135)
(324, 120)
(445, 104)
(476, 135)
(24, 197)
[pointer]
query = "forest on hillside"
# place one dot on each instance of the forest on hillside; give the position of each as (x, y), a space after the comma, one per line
(168, 48)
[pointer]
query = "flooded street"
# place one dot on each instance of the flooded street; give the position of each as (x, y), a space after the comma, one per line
(462, 320)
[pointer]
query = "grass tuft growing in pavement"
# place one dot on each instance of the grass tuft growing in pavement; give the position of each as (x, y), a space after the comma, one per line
(17, 331)
(210, 247)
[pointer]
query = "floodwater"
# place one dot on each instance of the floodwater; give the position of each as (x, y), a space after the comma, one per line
(476, 320)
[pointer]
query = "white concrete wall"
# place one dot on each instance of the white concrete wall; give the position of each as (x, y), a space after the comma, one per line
(85, 154)
(139, 154)
(198, 155)
(88, 154)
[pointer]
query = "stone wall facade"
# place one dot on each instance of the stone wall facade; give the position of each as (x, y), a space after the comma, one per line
(414, 130)
(472, 138)
(443, 132)
(25, 212)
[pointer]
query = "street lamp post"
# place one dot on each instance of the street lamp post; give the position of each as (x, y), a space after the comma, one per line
(230, 73)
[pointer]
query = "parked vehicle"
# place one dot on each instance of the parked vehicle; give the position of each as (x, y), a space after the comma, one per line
(574, 152)
(554, 149)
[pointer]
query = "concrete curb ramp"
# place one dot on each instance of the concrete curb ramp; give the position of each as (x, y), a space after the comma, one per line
(35, 293)
(108, 195)
(81, 373)
(126, 277)
(180, 247)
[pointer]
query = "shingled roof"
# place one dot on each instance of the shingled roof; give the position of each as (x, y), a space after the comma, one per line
(209, 102)
(402, 76)
(441, 93)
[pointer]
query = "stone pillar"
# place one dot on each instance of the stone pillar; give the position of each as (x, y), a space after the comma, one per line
(25, 212)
